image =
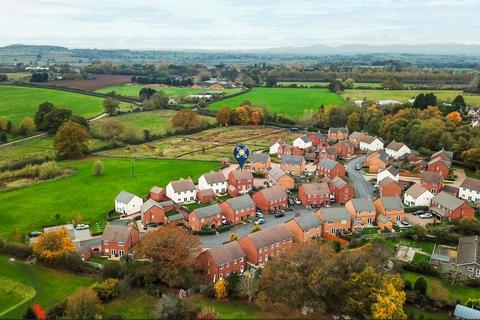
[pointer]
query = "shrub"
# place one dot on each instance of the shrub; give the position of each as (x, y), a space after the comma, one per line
(207, 314)
(170, 308)
(98, 168)
(49, 170)
(420, 285)
(14, 249)
(83, 304)
(421, 267)
(107, 290)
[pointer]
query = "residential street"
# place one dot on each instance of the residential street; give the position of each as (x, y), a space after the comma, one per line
(362, 186)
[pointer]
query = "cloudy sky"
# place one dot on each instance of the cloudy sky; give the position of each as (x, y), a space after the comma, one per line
(236, 24)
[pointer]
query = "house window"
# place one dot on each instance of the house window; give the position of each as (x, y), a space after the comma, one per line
(477, 273)
(221, 266)
(121, 244)
(241, 259)
(470, 269)
(106, 242)
(121, 253)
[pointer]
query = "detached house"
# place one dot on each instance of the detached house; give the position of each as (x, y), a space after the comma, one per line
(470, 190)
(271, 199)
(238, 209)
(369, 143)
(468, 255)
(219, 262)
(305, 227)
(118, 240)
(303, 142)
(391, 172)
(209, 216)
(443, 154)
(335, 220)
(338, 134)
(397, 150)
(293, 164)
(289, 150)
(330, 168)
(241, 180)
(127, 203)
(345, 148)
(260, 162)
(182, 191)
(328, 153)
(318, 139)
(440, 166)
(342, 190)
(389, 211)
(215, 181)
(278, 177)
(447, 207)
(264, 244)
(152, 212)
(157, 194)
(417, 195)
(363, 212)
(274, 147)
(355, 138)
(388, 187)
(432, 181)
(314, 194)
(376, 161)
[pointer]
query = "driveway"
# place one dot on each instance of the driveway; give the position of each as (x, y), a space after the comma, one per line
(363, 188)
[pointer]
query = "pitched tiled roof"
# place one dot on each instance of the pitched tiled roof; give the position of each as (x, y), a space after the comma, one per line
(227, 252)
(330, 150)
(241, 202)
(316, 188)
(242, 175)
(393, 170)
(470, 183)
(182, 185)
(468, 250)
(363, 204)
(116, 233)
(431, 177)
(273, 193)
(386, 181)
(447, 163)
(448, 154)
(176, 217)
(292, 160)
(447, 200)
(338, 182)
(336, 213)
(208, 211)
(276, 173)
(214, 177)
(305, 139)
(327, 163)
(391, 203)
(148, 204)
(416, 190)
(207, 192)
(156, 189)
(356, 134)
(335, 130)
(124, 197)
(395, 145)
(308, 221)
(259, 157)
(270, 236)
(368, 139)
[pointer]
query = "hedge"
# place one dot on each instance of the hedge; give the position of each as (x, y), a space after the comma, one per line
(15, 249)
(224, 228)
(205, 232)
(416, 208)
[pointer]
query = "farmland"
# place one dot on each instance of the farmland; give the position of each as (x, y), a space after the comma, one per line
(24, 284)
(100, 81)
(132, 90)
(207, 145)
(289, 102)
(325, 84)
(20, 102)
(158, 121)
(88, 195)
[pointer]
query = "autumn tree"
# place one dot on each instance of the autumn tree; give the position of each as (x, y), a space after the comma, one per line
(390, 300)
(111, 105)
(112, 130)
(186, 120)
(455, 117)
(172, 252)
(98, 168)
(221, 289)
(233, 236)
(243, 115)
(170, 308)
(360, 295)
(158, 100)
(207, 314)
(336, 85)
(256, 116)
(353, 122)
(54, 244)
(224, 115)
(71, 141)
(27, 126)
(248, 286)
(83, 305)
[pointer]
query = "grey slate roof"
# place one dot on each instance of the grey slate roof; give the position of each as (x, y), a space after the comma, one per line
(276, 173)
(448, 154)
(445, 162)
(382, 218)
(115, 233)
(208, 211)
(305, 139)
(292, 160)
(393, 170)
(463, 312)
(431, 177)
(241, 202)
(308, 221)
(447, 200)
(470, 183)
(327, 163)
(242, 175)
(395, 145)
(183, 185)
(338, 182)
(336, 213)
(391, 203)
(273, 193)
(124, 197)
(214, 177)
(468, 250)
(363, 204)
(335, 130)
(227, 252)
(270, 236)
(416, 190)
(176, 217)
(148, 204)
(259, 157)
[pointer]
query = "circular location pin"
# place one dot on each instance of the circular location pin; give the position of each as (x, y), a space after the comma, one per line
(241, 154)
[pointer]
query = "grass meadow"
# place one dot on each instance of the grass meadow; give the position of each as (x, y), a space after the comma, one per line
(132, 90)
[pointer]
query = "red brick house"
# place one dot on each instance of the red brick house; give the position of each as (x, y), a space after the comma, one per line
(388, 188)
(318, 139)
(205, 217)
(305, 227)
(262, 245)
(289, 150)
(278, 177)
(432, 181)
(363, 212)
(440, 166)
(314, 194)
(328, 153)
(330, 168)
(238, 209)
(219, 262)
(391, 208)
(206, 195)
(342, 190)
(345, 148)
(260, 162)
(242, 180)
(338, 134)
(118, 240)
(152, 212)
(443, 154)
(157, 194)
(293, 164)
(271, 199)
(355, 138)
(447, 207)
(335, 220)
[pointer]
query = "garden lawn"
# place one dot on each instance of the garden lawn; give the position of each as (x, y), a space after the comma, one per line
(50, 286)
(89, 196)
(136, 305)
(17, 103)
(289, 102)
(418, 314)
(426, 247)
(228, 309)
(405, 95)
(442, 290)
(133, 90)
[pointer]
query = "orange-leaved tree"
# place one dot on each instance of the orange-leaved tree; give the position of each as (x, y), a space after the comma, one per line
(54, 244)
(221, 289)
(455, 117)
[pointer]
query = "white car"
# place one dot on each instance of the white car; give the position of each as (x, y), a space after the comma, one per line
(297, 201)
(260, 221)
(426, 215)
(82, 226)
(224, 220)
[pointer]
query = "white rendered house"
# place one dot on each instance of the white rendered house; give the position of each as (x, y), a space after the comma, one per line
(369, 143)
(127, 203)
(302, 142)
(181, 191)
(417, 195)
(390, 172)
(470, 190)
(397, 150)
(213, 180)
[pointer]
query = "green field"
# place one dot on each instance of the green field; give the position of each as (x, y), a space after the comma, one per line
(157, 121)
(18, 102)
(404, 95)
(84, 194)
(325, 84)
(228, 309)
(132, 90)
(289, 102)
(44, 286)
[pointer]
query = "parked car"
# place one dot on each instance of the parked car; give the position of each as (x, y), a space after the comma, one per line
(151, 225)
(35, 234)
(418, 212)
(297, 201)
(260, 221)
(224, 220)
(290, 202)
(426, 215)
(358, 166)
(279, 214)
(258, 214)
(82, 226)
(405, 223)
